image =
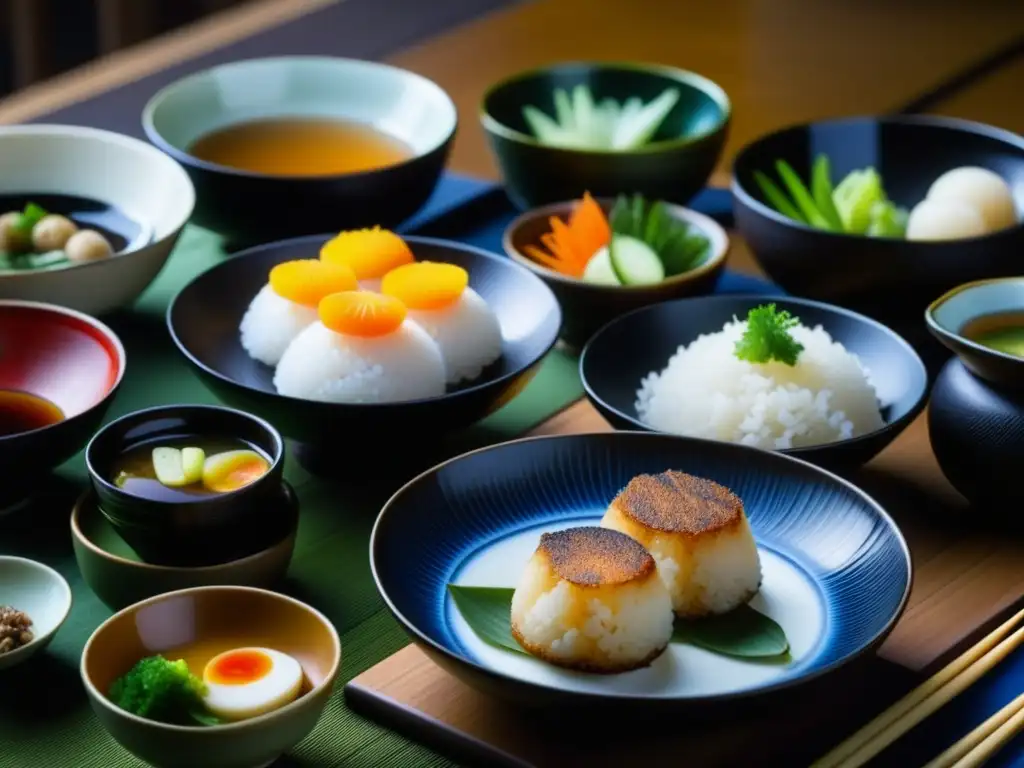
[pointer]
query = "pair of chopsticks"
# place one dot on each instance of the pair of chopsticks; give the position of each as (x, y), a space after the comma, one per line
(972, 750)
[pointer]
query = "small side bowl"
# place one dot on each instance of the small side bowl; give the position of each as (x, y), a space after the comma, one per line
(948, 314)
(673, 167)
(630, 348)
(166, 622)
(72, 360)
(119, 577)
(587, 307)
(126, 173)
(38, 591)
(256, 208)
(206, 530)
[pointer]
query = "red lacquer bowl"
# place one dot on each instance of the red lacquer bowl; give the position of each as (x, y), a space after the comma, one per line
(67, 358)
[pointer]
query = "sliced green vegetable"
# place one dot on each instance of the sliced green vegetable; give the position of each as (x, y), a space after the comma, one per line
(599, 269)
(639, 128)
(192, 462)
(634, 262)
(821, 187)
(168, 467)
(767, 337)
(41, 260)
(887, 220)
(545, 129)
(854, 197)
(121, 479)
(801, 195)
(777, 197)
(679, 246)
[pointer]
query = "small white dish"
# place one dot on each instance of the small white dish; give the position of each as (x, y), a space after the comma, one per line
(38, 591)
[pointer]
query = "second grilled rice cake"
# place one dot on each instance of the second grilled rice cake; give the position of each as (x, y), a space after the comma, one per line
(590, 599)
(699, 535)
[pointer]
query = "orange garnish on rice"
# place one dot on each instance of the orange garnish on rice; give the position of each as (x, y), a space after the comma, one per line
(571, 244)
(370, 253)
(426, 284)
(306, 281)
(361, 313)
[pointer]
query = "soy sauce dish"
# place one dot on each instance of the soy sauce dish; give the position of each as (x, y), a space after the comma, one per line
(190, 485)
(638, 574)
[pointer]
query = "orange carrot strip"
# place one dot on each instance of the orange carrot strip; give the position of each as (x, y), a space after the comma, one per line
(568, 247)
(552, 262)
(589, 225)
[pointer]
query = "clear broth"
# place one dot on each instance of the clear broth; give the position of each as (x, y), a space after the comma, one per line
(23, 412)
(133, 470)
(1000, 331)
(301, 147)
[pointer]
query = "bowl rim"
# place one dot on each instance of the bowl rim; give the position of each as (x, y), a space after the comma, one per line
(714, 232)
(757, 300)
(186, 158)
(413, 240)
(153, 412)
(954, 338)
(102, 328)
(89, 497)
(505, 678)
(328, 681)
(699, 82)
(90, 134)
(748, 200)
(10, 658)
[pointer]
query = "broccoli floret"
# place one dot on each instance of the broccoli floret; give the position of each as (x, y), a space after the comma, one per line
(158, 689)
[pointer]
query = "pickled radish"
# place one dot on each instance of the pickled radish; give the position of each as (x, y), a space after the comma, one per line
(168, 467)
(192, 462)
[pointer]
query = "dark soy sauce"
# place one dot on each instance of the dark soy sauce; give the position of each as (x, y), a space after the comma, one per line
(23, 412)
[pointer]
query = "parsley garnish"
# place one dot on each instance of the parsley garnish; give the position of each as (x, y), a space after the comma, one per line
(767, 337)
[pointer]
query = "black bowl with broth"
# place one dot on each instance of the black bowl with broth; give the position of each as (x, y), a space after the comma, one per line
(187, 526)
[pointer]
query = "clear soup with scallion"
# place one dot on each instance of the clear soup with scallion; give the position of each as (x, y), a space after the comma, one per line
(182, 468)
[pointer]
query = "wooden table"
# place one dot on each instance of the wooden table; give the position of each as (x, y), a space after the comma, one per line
(781, 61)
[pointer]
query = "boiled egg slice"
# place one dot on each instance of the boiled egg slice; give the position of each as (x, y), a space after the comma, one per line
(246, 682)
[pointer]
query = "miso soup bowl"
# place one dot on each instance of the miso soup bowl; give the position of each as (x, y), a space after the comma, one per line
(206, 530)
(240, 615)
(249, 207)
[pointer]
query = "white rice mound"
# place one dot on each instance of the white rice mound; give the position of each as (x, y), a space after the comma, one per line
(605, 628)
(467, 332)
(334, 368)
(271, 323)
(706, 391)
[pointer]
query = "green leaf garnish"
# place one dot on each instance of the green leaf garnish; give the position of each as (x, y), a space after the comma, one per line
(742, 633)
(28, 218)
(801, 195)
(767, 337)
(679, 246)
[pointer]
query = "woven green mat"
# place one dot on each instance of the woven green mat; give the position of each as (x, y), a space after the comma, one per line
(45, 720)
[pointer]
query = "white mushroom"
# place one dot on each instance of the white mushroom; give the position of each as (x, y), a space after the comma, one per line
(87, 245)
(52, 232)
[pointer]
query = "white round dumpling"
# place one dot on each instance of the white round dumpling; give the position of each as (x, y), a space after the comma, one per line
(984, 190)
(944, 220)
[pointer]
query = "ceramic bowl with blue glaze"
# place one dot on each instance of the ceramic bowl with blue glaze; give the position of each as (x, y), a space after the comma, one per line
(836, 570)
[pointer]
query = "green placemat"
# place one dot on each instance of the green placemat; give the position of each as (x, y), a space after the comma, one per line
(45, 720)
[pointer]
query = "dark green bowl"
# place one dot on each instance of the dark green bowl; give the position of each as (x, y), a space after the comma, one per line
(674, 166)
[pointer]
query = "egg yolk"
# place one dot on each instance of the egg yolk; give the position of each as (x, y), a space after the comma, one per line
(231, 470)
(426, 284)
(370, 253)
(238, 667)
(306, 281)
(362, 313)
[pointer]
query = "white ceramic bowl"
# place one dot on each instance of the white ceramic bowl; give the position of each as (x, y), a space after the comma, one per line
(39, 591)
(129, 174)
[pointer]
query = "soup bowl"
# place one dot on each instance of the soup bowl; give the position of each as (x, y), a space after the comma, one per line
(204, 321)
(247, 205)
(892, 279)
(586, 307)
(39, 592)
(71, 361)
(626, 351)
(216, 619)
(106, 179)
(200, 529)
(673, 166)
(119, 577)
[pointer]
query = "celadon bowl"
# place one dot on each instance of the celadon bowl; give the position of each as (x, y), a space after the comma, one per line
(249, 207)
(225, 617)
(38, 591)
(128, 174)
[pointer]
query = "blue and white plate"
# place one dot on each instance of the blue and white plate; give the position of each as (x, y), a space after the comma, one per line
(837, 571)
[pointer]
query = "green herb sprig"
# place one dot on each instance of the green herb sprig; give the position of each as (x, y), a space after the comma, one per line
(679, 246)
(768, 337)
(29, 217)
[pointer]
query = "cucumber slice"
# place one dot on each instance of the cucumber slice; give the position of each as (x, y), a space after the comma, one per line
(168, 468)
(599, 269)
(634, 262)
(192, 461)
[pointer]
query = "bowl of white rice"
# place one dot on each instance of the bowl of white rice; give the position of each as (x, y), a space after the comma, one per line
(836, 390)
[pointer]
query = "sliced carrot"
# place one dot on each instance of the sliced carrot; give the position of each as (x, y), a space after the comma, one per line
(362, 313)
(569, 245)
(589, 225)
(426, 284)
